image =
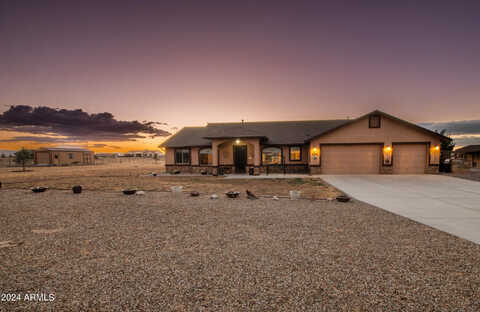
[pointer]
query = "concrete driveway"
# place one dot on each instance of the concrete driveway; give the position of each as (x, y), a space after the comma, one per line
(448, 204)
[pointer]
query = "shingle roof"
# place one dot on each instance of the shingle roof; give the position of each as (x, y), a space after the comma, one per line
(188, 136)
(468, 149)
(275, 132)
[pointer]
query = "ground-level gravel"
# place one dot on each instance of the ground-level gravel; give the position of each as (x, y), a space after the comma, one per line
(104, 251)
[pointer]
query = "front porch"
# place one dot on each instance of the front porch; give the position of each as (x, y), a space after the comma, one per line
(239, 156)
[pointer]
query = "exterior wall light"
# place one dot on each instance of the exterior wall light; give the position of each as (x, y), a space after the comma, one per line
(237, 141)
(435, 155)
(387, 155)
(314, 153)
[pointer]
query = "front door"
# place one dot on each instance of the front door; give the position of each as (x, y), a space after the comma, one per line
(240, 158)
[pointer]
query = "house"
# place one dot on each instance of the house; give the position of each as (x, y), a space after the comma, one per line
(470, 155)
(371, 144)
(61, 156)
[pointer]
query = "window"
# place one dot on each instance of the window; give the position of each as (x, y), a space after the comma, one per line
(182, 156)
(374, 121)
(205, 156)
(70, 155)
(271, 156)
(295, 153)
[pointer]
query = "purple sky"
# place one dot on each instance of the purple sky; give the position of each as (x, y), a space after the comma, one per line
(190, 64)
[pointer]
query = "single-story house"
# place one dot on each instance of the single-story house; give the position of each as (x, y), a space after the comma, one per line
(60, 156)
(371, 144)
(470, 155)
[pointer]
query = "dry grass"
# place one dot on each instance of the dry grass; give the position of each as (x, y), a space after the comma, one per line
(103, 251)
(119, 176)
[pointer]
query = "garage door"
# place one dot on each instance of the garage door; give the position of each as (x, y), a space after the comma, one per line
(350, 159)
(409, 158)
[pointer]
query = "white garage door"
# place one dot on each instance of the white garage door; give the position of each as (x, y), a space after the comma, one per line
(350, 159)
(409, 158)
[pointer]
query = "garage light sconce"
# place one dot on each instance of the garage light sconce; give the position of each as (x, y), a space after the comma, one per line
(387, 155)
(314, 153)
(435, 155)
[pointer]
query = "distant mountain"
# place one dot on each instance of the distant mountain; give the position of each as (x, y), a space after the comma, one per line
(7, 153)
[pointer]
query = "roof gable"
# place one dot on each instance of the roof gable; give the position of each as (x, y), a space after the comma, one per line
(378, 112)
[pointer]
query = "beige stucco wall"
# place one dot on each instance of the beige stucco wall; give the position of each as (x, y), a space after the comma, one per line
(194, 156)
(225, 153)
(78, 157)
(42, 158)
(170, 156)
(391, 131)
(63, 158)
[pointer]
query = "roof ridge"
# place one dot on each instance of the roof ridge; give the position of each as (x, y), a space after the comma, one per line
(274, 121)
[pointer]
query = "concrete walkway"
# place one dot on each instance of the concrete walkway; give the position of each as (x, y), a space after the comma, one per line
(445, 203)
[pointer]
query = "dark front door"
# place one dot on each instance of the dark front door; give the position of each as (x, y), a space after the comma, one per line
(240, 158)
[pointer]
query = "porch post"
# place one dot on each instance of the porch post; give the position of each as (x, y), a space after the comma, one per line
(215, 154)
(256, 155)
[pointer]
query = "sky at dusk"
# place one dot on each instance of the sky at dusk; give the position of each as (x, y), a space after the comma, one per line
(189, 63)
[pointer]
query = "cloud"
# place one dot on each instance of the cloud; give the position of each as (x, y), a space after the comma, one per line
(455, 127)
(464, 132)
(76, 124)
(38, 139)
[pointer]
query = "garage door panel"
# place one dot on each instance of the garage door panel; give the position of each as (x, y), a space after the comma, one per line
(409, 158)
(350, 159)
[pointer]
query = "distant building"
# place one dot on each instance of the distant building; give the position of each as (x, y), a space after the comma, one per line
(60, 156)
(470, 155)
(108, 155)
(144, 154)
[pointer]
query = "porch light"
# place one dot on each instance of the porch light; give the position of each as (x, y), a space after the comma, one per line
(315, 150)
(437, 147)
(388, 148)
(237, 141)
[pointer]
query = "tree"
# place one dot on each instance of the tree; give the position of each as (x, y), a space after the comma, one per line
(447, 145)
(22, 156)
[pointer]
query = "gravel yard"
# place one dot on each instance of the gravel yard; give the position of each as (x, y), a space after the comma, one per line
(104, 251)
(473, 175)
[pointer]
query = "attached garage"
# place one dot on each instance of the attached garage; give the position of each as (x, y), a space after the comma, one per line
(409, 158)
(350, 159)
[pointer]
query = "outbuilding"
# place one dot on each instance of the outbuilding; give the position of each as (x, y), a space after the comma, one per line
(62, 156)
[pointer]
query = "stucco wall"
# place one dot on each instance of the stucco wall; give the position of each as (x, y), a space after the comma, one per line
(225, 153)
(170, 156)
(78, 157)
(42, 158)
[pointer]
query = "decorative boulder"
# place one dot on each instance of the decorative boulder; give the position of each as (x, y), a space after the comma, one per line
(77, 189)
(129, 192)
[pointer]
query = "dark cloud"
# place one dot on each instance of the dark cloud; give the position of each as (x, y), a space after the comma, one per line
(464, 132)
(455, 127)
(38, 139)
(76, 124)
